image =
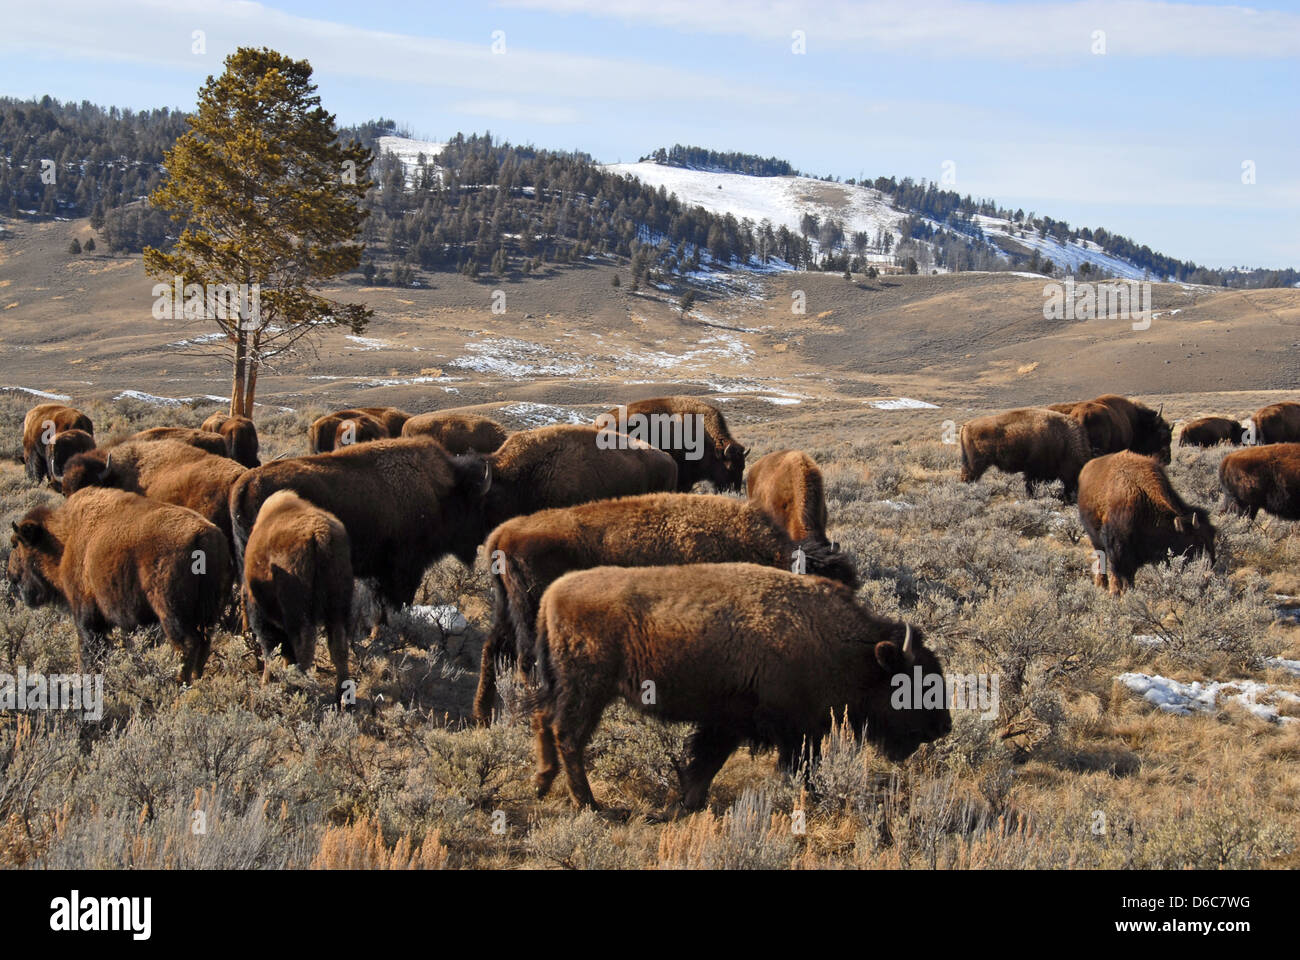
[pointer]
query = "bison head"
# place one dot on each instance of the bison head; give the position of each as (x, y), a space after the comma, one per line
(63, 448)
(93, 468)
(33, 550)
(466, 505)
(728, 465)
(909, 717)
(1197, 531)
(1154, 434)
(241, 441)
(1237, 433)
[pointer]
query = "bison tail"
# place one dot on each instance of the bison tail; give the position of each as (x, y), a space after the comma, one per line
(542, 695)
(825, 559)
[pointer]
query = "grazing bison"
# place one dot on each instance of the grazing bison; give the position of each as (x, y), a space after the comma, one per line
(1042, 444)
(1132, 514)
(1277, 423)
(787, 486)
(564, 465)
(165, 470)
(323, 432)
(297, 576)
(529, 553)
(42, 424)
(63, 448)
(240, 435)
(458, 432)
(1210, 432)
(693, 432)
(1262, 478)
(404, 503)
(204, 440)
(359, 428)
(748, 653)
(1113, 423)
(118, 559)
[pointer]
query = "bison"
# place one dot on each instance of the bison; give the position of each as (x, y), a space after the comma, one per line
(565, 464)
(458, 432)
(359, 428)
(787, 486)
(204, 440)
(1042, 444)
(529, 553)
(240, 435)
(1262, 478)
(1277, 423)
(693, 432)
(747, 653)
(165, 470)
(43, 423)
(323, 432)
(64, 447)
(404, 503)
(118, 559)
(1210, 432)
(1134, 517)
(297, 576)
(1113, 423)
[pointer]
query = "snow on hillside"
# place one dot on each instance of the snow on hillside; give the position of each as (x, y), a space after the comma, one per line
(1068, 255)
(782, 200)
(409, 150)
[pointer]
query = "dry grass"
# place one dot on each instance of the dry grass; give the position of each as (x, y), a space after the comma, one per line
(1074, 771)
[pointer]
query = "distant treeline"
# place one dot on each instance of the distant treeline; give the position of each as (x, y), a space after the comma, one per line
(488, 205)
(699, 158)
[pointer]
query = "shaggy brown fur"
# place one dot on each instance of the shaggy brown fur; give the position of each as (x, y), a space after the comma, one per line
(204, 440)
(324, 430)
(359, 428)
(526, 554)
(1277, 423)
(240, 435)
(748, 653)
(118, 559)
(165, 470)
(1042, 444)
(722, 460)
(562, 465)
(787, 485)
(404, 504)
(65, 446)
(297, 576)
(1210, 432)
(458, 432)
(1262, 478)
(42, 424)
(1115, 423)
(1132, 514)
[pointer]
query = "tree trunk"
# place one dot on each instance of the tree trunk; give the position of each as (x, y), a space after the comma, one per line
(241, 362)
(251, 389)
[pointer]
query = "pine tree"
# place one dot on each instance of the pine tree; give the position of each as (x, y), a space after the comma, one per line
(90, 245)
(688, 301)
(74, 246)
(270, 200)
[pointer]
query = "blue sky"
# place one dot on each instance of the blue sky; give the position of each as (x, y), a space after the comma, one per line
(1147, 138)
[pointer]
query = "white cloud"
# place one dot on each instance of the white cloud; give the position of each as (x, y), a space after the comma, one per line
(1019, 31)
(509, 109)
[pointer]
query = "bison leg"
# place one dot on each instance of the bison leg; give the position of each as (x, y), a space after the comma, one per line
(190, 645)
(497, 643)
(710, 748)
(575, 722)
(91, 641)
(337, 638)
(548, 761)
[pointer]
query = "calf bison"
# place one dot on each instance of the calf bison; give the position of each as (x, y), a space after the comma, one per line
(458, 432)
(787, 486)
(404, 503)
(1210, 432)
(118, 559)
(204, 440)
(42, 424)
(297, 576)
(693, 432)
(1042, 444)
(240, 435)
(564, 465)
(1134, 517)
(748, 653)
(1262, 478)
(323, 432)
(1277, 423)
(165, 470)
(528, 553)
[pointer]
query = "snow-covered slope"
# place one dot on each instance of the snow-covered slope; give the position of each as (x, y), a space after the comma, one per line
(782, 200)
(409, 150)
(1069, 255)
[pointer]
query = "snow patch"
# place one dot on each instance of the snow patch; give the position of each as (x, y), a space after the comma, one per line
(902, 403)
(445, 615)
(1186, 699)
(543, 414)
(59, 397)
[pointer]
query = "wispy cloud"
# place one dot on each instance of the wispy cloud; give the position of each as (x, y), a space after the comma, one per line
(1019, 31)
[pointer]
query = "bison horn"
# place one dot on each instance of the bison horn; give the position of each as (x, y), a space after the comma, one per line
(108, 465)
(907, 642)
(487, 476)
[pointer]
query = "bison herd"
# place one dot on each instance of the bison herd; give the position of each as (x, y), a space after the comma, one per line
(609, 577)
(1109, 453)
